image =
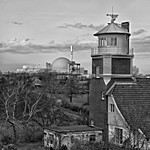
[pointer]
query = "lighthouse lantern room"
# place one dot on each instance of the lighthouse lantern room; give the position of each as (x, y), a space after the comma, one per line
(112, 58)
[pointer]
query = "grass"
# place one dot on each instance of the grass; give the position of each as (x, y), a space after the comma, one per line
(30, 146)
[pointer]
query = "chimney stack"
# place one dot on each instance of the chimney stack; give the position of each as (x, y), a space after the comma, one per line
(125, 25)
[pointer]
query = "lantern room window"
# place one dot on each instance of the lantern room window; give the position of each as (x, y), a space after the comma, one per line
(111, 41)
(107, 41)
(102, 42)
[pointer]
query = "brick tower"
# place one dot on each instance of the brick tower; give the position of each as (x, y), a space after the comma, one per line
(112, 60)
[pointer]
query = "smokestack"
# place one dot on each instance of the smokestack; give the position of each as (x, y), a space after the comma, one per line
(125, 25)
(71, 55)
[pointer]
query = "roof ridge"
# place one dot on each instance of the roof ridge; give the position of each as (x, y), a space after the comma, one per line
(125, 83)
(115, 27)
(109, 90)
(107, 27)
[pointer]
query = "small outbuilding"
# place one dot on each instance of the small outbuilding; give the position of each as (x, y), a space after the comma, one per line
(58, 136)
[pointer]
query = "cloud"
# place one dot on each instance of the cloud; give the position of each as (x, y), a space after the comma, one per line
(141, 45)
(140, 31)
(141, 40)
(17, 23)
(82, 26)
(47, 48)
(52, 42)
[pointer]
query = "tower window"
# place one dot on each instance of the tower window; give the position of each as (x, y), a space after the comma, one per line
(102, 42)
(111, 41)
(112, 107)
(97, 71)
(103, 96)
(92, 123)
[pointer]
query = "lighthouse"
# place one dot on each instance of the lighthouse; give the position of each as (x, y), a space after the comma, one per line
(112, 61)
(113, 57)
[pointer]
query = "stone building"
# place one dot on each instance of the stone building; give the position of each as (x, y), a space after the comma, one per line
(57, 136)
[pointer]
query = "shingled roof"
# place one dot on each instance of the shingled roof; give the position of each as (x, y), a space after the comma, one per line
(133, 101)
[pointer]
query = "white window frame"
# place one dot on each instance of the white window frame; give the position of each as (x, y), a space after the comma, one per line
(112, 108)
(103, 96)
(118, 135)
(102, 42)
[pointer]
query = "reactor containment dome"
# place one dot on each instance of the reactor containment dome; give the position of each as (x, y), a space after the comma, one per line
(61, 64)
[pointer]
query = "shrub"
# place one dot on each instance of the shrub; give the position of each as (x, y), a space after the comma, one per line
(6, 139)
(33, 134)
(6, 134)
(10, 147)
(63, 147)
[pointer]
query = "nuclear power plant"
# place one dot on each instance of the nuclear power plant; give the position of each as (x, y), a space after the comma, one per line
(59, 65)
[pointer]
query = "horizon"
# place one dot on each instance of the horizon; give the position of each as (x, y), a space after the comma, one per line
(36, 31)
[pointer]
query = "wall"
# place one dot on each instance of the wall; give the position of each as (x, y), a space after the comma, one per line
(97, 106)
(115, 119)
(69, 138)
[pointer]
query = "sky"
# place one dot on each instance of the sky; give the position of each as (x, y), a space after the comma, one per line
(39, 31)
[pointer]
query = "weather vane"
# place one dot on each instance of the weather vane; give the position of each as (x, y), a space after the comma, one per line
(113, 16)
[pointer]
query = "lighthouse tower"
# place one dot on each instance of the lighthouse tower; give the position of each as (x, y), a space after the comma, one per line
(112, 60)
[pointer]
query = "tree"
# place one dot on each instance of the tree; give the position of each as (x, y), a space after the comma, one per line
(51, 111)
(71, 87)
(19, 100)
(75, 85)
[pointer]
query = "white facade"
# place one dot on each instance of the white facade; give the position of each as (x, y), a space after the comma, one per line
(30, 69)
(119, 130)
(56, 140)
(116, 122)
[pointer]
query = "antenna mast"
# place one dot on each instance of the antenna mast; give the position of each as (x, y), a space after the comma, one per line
(113, 16)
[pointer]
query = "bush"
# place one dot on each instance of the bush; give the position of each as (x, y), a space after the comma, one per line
(6, 139)
(78, 145)
(9, 147)
(33, 134)
(63, 147)
(6, 134)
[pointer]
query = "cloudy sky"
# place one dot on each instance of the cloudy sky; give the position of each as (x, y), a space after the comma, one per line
(39, 31)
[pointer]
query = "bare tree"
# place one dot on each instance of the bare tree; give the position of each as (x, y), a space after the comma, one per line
(19, 100)
(51, 111)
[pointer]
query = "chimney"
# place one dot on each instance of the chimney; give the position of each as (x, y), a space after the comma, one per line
(125, 25)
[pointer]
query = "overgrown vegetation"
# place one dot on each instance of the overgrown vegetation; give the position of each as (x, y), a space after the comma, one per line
(27, 107)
